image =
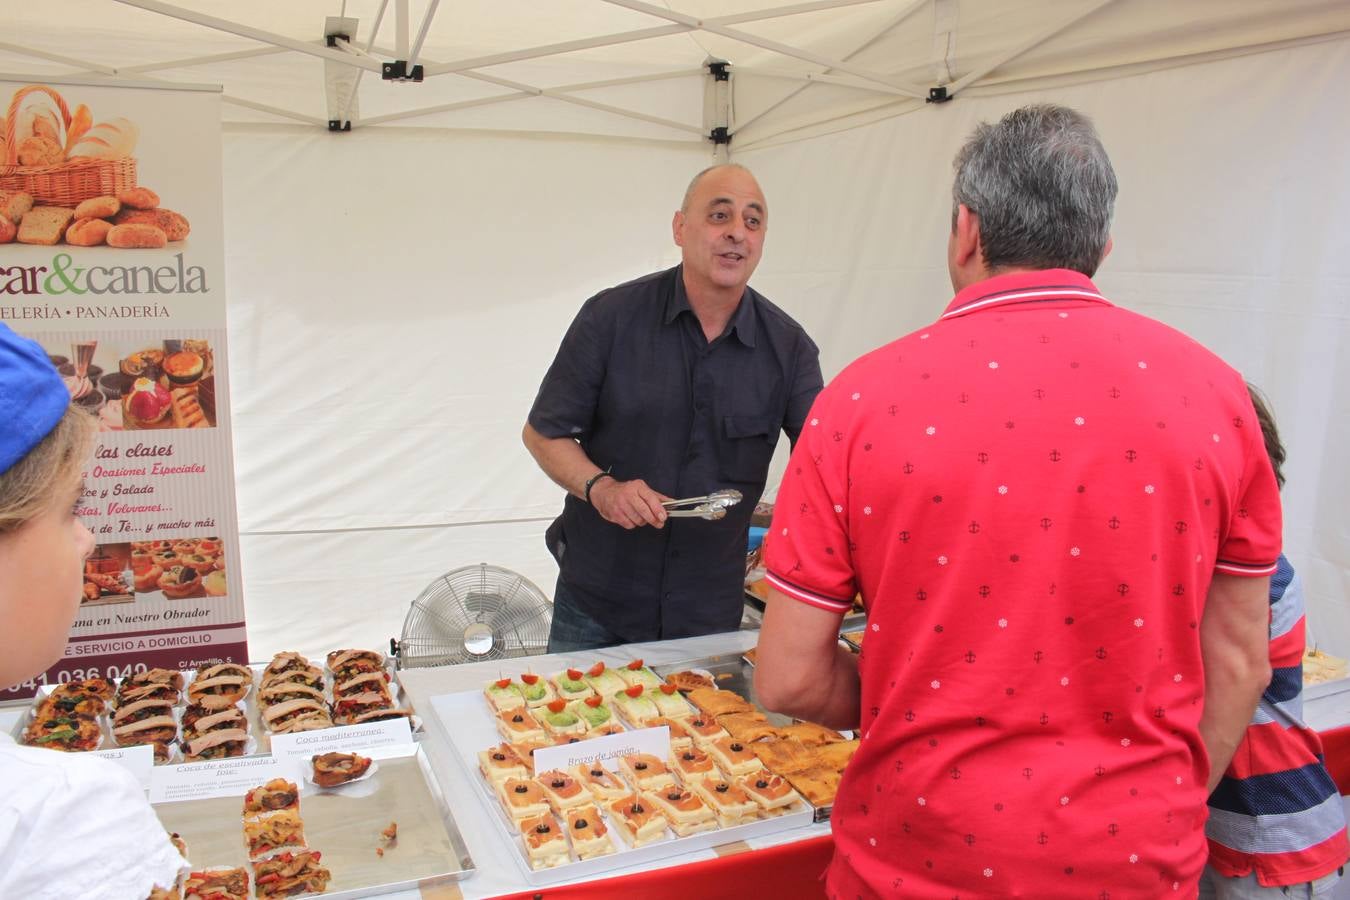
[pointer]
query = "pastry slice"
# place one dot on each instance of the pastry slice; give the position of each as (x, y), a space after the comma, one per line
(346, 663)
(635, 673)
(587, 832)
(281, 691)
(605, 682)
(571, 685)
(293, 673)
(545, 842)
(645, 772)
(771, 793)
(562, 790)
(305, 720)
(728, 800)
(220, 686)
(217, 884)
(637, 822)
(333, 769)
(277, 716)
(522, 798)
(267, 834)
(669, 702)
(66, 733)
(558, 720)
(705, 730)
(500, 763)
(288, 874)
(220, 744)
(692, 763)
(353, 709)
(811, 734)
(154, 728)
(519, 724)
(601, 782)
(277, 794)
(747, 726)
(680, 737)
(719, 703)
(685, 811)
(785, 756)
(818, 784)
(362, 682)
(635, 706)
(524, 751)
(536, 691)
(733, 757)
(503, 694)
(688, 680)
(592, 710)
(837, 755)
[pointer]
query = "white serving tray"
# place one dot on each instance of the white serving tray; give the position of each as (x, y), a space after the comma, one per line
(467, 721)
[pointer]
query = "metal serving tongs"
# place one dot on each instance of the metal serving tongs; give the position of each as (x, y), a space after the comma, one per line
(710, 506)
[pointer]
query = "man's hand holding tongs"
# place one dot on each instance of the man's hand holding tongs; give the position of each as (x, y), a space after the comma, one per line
(629, 504)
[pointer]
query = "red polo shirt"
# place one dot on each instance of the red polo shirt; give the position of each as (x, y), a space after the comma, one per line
(1031, 495)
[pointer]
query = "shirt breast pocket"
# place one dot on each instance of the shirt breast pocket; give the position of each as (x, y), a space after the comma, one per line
(747, 448)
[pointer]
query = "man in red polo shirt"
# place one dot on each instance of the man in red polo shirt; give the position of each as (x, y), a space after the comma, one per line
(1062, 521)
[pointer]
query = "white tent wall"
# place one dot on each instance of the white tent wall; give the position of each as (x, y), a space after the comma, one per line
(395, 298)
(1230, 226)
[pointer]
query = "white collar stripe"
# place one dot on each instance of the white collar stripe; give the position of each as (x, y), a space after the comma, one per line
(1039, 294)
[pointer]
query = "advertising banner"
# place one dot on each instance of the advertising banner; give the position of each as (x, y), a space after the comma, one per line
(111, 257)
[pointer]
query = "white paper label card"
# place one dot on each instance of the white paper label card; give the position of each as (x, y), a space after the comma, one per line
(378, 740)
(216, 778)
(138, 760)
(605, 750)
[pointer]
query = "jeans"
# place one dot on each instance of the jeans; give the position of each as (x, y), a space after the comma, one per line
(573, 629)
(1213, 885)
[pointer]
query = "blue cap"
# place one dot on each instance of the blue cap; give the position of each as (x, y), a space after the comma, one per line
(33, 398)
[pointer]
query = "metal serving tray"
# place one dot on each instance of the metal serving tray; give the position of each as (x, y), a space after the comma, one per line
(344, 825)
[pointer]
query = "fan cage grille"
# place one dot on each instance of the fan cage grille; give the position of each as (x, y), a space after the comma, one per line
(481, 601)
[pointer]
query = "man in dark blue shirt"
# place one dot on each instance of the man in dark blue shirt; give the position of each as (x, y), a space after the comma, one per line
(673, 385)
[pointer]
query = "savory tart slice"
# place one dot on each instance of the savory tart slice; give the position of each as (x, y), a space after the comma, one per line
(685, 811)
(601, 782)
(771, 793)
(747, 726)
(281, 691)
(311, 676)
(65, 701)
(669, 703)
(275, 795)
(818, 784)
(500, 763)
(705, 730)
(305, 720)
(68, 733)
(216, 884)
(592, 710)
(160, 683)
(267, 834)
(728, 800)
(198, 720)
(283, 662)
(144, 722)
(350, 710)
(636, 673)
(223, 743)
(587, 832)
(715, 702)
(522, 798)
(571, 684)
(635, 706)
(680, 737)
(503, 694)
(558, 720)
(689, 680)
(811, 734)
(360, 683)
(604, 681)
(226, 680)
(837, 755)
(536, 691)
(288, 874)
(545, 842)
(645, 772)
(99, 687)
(333, 769)
(519, 724)
(733, 757)
(692, 763)
(277, 716)
(346, 663)
(637, 822)
(562, 790)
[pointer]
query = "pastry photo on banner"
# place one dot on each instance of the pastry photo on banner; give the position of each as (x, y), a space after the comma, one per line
(67, 177)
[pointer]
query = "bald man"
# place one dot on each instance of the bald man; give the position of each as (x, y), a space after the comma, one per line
(674, 385)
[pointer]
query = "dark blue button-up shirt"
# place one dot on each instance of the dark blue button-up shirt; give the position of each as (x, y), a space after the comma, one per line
(644, 392)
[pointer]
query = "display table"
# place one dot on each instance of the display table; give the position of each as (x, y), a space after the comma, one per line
(498, 872)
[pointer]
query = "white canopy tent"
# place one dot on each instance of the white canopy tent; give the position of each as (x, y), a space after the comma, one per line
(396, 292)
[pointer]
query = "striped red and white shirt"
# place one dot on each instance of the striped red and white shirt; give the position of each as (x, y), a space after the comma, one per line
(1032, 496)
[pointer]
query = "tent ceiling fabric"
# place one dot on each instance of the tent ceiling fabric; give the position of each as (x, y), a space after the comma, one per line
(802, 69)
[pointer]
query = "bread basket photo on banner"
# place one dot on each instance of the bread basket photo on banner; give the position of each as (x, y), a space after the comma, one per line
(66, 178)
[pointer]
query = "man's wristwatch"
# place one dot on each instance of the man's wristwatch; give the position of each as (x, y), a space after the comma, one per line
(590, 482)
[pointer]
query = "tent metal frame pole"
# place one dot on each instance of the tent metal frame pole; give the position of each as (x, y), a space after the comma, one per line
(445, 107)
(631, 79)
(401, 29)
(823, 78)
(247, 31)
(971, 77)
(627, 37)
(422, 33)
(274, 110)
(85, 65)
(763, 43)
(554, 94)
(356, 85)
(901, 16)
(203, 60)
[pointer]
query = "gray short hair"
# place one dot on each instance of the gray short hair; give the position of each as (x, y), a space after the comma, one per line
(1043, 188)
